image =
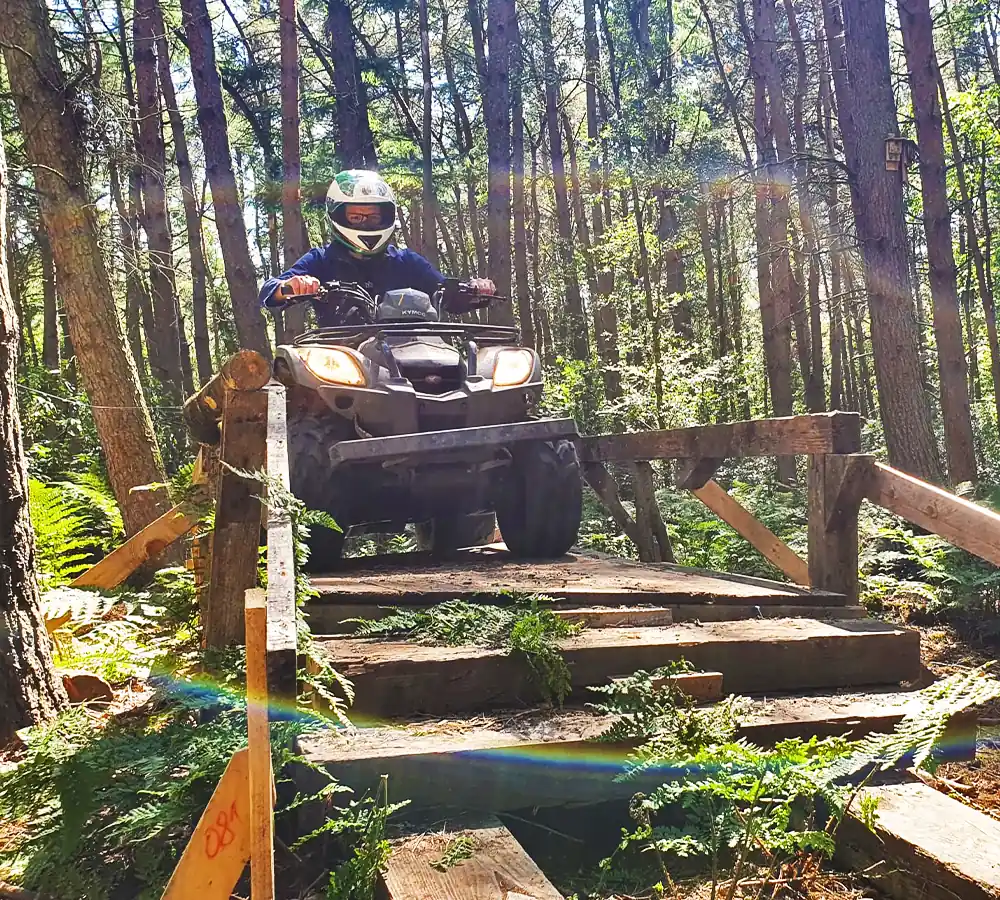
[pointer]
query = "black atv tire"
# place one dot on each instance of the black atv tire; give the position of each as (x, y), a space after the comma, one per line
(541, 503)
(447, 533)
(315, 484)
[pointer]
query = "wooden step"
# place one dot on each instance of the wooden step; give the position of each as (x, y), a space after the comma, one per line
(479, 860)
(549, 758)
(394, 678)
(579, 579)
(926, 845)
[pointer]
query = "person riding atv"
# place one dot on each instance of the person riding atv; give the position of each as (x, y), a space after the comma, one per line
(363, 214)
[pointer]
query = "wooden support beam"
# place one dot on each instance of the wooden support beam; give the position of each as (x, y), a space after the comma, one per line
(493, 866)
(237, 517)
(965, 524)
(698, 472)
(836, 432)
(247, 370)
(282, 632)
(143, 546)
(768, 544)
(702, 687)
(603, 484)
(259, 745)
(836, 485)
(654, 543)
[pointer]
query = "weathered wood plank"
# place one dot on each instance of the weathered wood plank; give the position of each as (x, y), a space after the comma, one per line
(765, 541)
(654, 544)
(550, 758)
(620, 617)
(836, 432)
(732, 612)
(496, 869)
(143, 546)
(967, 525)
(755, 656)
(925, 845)
(835, 484)
(603, 484)
(282, 636)
(697, 472)
(237, 517)
(702, 687)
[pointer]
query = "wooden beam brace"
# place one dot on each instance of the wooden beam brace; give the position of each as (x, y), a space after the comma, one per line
(603, 484)
(965, 524)
(836, 487)
(855, 482)
(768, 544)
(655, 546)
(697, 472)
(836, 432)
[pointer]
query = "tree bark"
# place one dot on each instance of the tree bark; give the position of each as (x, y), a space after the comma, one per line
(294, 235)
(30, 690)
(240, 274)
(519, 200)
(429, 203)
(356, 146)
(574, 302)
(498, 141)
(868, 117)
(54, 147)
(50, 304)
(921, 63)
(152, 158)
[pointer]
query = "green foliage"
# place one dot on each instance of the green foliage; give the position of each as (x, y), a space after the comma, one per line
(523, 626)
(458, 850)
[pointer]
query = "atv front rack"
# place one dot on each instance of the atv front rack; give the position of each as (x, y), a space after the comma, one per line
(483, 334)
(425, 443)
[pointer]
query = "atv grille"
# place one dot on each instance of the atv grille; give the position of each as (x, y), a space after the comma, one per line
(433, 379)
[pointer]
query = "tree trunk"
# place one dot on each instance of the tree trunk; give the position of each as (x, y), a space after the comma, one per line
(574, 301)
(54, 147)
(240, 274)
(476, 225)
(50, 304)
(520, 211)
(152, 159)
(30, 690)
(921, 63)
(711, 298)
(497, 110)
(429, 226)
(355, 147)
(294, 235)
(868, 117)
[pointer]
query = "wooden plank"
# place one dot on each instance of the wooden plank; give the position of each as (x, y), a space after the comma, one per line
(579, 579)
(768, 544)
(702, 687)
(603, 484)
(926, 845)
(698, 472)
(496, 868)
(282, 631)
(755, 656)
(259, 745)
(620, 617)
(967, 525)
(732, 612)
(143, 546)
(654, 543)
(219, 848)
(549, 758)
(836, 432)
(237, 517)
(835, 484)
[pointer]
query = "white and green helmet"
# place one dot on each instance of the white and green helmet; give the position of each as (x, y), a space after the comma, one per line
(359, 186)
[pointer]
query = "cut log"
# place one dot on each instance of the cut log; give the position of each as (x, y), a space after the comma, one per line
(143, 546)
(549, 758)
(766, 542)
(836, 432)
(479, 860)
(967, 525)
(756, 656)
(247, 370)
(926, 845)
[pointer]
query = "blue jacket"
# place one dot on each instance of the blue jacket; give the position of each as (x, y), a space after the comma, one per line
(392, 270)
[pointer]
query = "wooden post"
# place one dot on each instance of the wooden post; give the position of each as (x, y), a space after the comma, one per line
(237, 516)
(245, 371)
(259, 740)
(837, 485)
(654, 544)
(282, 632)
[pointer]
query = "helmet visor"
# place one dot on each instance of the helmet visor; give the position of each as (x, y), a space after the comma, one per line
(365, 216)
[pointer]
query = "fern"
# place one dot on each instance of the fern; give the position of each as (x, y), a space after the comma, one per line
(64, 546)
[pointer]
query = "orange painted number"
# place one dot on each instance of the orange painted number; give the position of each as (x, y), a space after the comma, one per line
(220, 835)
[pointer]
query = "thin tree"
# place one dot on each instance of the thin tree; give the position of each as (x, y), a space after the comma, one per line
(519, 198)
(355, 145)
(428, 200)
(500, 14)
(54, 147)
(30, 690)
(922, 66)
(240, 274)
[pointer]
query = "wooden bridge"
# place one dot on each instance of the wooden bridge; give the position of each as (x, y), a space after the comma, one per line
(814, 663)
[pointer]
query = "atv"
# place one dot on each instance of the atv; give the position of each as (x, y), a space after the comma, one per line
(399, 417)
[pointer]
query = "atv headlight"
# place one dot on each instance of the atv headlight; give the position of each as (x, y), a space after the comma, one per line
(513, 367)
(334, 366)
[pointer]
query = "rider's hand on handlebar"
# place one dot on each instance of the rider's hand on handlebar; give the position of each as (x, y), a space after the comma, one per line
(296, 286)
(483, 286)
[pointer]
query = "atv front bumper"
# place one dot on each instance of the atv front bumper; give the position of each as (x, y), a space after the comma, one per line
(430, 443)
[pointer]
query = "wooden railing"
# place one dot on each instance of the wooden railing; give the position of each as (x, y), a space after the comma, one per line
(239, 420)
